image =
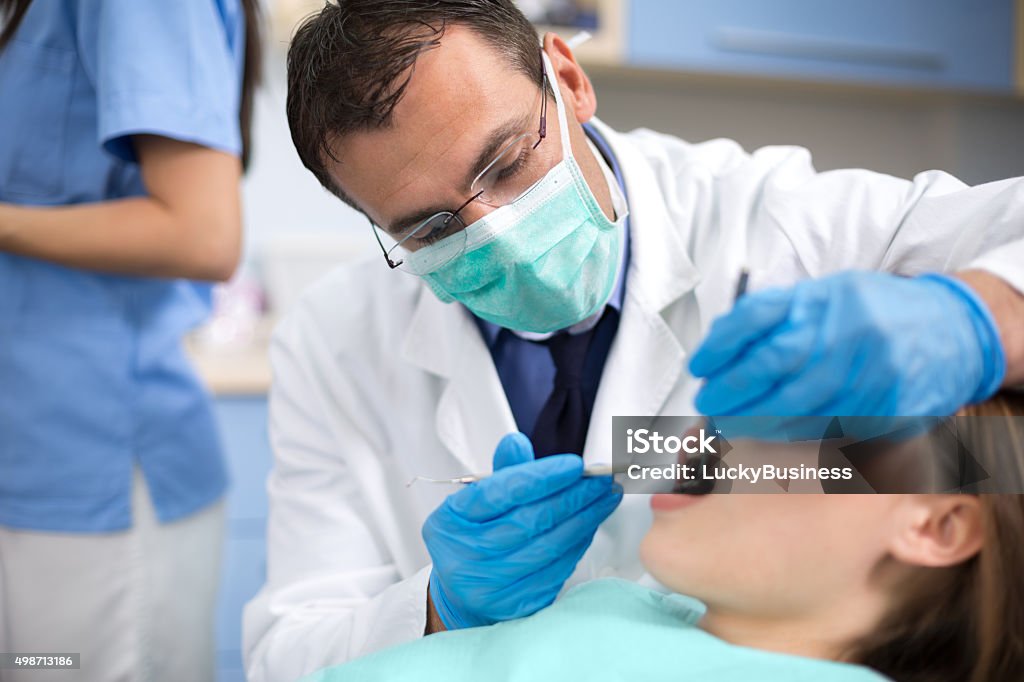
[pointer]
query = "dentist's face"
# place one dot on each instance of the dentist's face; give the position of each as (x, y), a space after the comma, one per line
(464, 102)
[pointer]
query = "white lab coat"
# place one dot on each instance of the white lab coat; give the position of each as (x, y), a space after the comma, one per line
(376, 381)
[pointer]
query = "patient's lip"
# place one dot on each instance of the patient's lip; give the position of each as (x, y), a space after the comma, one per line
(672, 501)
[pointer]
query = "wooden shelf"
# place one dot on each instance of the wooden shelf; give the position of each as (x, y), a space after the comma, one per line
(681, 78)
(234, 371)
(607, 46)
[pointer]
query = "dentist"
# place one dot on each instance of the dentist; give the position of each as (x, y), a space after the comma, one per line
(543, 273)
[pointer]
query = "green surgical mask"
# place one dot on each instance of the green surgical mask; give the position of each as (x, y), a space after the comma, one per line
(542, 263)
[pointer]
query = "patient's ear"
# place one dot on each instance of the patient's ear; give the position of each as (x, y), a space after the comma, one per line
(939, 530)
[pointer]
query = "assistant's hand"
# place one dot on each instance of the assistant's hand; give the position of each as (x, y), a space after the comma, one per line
(856, 343)
(504, 546)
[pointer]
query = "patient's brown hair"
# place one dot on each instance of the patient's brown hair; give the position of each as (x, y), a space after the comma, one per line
(965, 623)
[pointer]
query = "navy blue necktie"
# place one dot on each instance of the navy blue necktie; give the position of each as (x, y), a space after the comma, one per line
(561, 426)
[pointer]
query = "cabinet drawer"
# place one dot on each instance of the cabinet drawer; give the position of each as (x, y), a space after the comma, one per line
(963, 44)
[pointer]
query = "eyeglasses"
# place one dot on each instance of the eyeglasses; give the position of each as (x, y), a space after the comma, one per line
(506, 178)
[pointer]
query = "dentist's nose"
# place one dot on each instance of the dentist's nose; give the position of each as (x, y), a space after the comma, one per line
(474, 211)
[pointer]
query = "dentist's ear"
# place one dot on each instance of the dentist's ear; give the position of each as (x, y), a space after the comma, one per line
(577, 91)
(939, 530)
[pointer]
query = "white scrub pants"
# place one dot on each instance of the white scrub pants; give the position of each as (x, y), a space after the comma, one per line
(138, 605)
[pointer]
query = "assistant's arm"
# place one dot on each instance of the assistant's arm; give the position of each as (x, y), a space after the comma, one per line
(333, 590)
(188, 226)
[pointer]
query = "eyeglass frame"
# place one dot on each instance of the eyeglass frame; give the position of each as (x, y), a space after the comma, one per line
(542, 133)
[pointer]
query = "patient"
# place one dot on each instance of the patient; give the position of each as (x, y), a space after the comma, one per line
(830, 588)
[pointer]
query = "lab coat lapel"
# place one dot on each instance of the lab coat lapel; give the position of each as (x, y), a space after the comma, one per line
(646, 359)
(472, 411)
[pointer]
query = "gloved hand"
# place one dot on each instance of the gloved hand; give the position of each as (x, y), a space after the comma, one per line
(504, 546)
(856, 343)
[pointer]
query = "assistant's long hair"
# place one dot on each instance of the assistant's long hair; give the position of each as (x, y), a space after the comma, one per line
(13, 11)
(965, 623)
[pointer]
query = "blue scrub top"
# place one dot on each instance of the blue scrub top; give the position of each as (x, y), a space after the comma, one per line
(93, 379)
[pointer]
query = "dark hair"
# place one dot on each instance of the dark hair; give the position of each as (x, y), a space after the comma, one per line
(13, 11)
(350, 63)
(965, 623)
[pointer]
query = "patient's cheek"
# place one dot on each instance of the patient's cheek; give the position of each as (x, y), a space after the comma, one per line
(651, 554)
(662, 553)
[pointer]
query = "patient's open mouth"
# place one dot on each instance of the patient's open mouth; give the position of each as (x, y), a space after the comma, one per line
(672, 501)
(698, 485)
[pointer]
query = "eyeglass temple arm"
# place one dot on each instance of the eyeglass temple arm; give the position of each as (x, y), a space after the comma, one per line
(542, 133)
(455, 214)
(387, 257)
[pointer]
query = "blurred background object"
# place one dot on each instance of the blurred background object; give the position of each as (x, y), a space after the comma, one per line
(897, 87)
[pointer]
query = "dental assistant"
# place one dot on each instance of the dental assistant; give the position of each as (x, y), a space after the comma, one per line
(124, 128)
(541, 273)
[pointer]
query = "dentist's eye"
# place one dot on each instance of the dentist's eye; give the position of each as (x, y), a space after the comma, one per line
(513, 169)
(437, 230)
(434, 236)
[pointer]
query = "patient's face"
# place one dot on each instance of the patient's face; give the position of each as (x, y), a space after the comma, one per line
(774, 555)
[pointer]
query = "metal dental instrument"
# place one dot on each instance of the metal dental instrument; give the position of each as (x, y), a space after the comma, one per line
(741, 284)
(588, 472)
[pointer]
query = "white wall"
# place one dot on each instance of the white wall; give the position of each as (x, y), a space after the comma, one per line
(281, 196)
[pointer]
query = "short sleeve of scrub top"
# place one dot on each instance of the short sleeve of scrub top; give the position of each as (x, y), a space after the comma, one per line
(164, 68)
(606, 629)
(94, 379)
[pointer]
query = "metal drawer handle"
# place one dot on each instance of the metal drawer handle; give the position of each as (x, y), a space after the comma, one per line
(777, 44)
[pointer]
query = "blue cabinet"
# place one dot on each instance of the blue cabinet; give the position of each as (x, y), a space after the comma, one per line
(243, 426)
(956, 44)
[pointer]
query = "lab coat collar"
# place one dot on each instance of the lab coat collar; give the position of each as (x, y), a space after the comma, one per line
(646, 359)
(472, 412)
(660, 269)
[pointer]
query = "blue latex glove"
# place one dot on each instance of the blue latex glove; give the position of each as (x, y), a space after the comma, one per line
(856, 343)
(504, 546)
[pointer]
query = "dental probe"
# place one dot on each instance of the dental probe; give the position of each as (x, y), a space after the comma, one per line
(741, 285)
(588, 472)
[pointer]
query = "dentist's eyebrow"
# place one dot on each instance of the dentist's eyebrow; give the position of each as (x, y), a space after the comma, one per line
(497, 139)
